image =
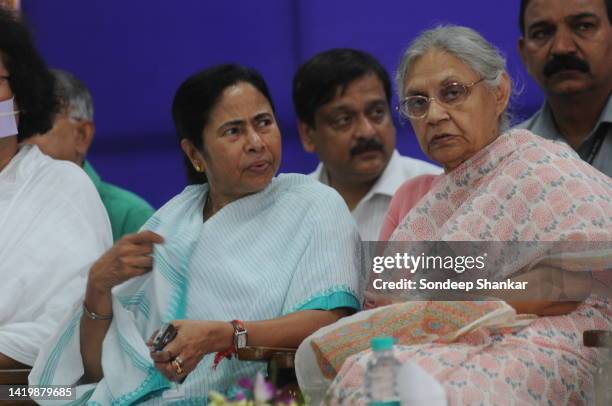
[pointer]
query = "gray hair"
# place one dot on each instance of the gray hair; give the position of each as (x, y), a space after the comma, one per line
(73, 95)
(463, 43)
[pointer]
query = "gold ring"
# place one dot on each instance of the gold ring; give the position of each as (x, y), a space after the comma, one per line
(177, 364)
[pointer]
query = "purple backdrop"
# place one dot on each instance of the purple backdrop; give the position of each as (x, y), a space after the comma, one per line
(134, 54)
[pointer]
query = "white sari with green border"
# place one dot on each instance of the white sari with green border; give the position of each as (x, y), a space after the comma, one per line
(294, 246)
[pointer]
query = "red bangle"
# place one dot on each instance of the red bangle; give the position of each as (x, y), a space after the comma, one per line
(223, 354)
(237, 325)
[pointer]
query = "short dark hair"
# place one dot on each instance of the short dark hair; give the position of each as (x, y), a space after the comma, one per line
(525, 3)
(318, 79)
(197, 96)
(31, 82)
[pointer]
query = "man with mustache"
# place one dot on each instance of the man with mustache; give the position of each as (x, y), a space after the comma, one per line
(342, 100)
(567, 47)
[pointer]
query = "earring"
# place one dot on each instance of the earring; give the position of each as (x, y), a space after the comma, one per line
(197, 167)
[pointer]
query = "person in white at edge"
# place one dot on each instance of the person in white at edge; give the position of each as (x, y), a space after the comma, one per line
(52, 222)
(342, 100)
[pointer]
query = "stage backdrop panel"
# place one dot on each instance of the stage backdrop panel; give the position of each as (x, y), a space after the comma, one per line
(134, 54)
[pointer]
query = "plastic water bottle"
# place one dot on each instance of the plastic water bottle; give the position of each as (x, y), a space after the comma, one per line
(603, 376)
(381, 374)
(603, 381)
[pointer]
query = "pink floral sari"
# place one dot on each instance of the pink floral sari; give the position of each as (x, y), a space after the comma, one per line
(520, 187)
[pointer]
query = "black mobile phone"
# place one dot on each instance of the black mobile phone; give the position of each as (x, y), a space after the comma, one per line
(166, 333)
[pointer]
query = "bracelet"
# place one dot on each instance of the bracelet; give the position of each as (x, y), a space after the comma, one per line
(223, 354)
(240, 334)
(95, 316)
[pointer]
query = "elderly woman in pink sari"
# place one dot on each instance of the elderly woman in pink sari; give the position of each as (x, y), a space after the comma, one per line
(498, 185)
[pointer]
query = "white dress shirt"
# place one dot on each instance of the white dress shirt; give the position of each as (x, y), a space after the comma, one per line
(370, 212)
(595, 148)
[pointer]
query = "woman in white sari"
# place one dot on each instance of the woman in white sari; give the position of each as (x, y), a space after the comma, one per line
(276, 256)
(53, 225)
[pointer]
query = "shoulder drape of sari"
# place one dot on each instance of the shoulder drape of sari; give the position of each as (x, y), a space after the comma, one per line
(520, 187)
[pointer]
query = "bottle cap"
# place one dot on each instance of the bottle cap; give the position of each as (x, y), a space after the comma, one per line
(382, 343)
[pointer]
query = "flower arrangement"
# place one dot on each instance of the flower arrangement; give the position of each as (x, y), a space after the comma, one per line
(256, 393)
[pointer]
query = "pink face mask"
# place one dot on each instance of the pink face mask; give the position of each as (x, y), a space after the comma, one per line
(8, 122)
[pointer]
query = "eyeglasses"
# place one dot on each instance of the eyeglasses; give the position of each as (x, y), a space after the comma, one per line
(450, 95)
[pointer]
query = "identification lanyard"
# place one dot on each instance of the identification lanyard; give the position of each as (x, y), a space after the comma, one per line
(596, 146)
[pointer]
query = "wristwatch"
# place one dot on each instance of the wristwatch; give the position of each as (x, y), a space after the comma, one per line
(240, 334)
